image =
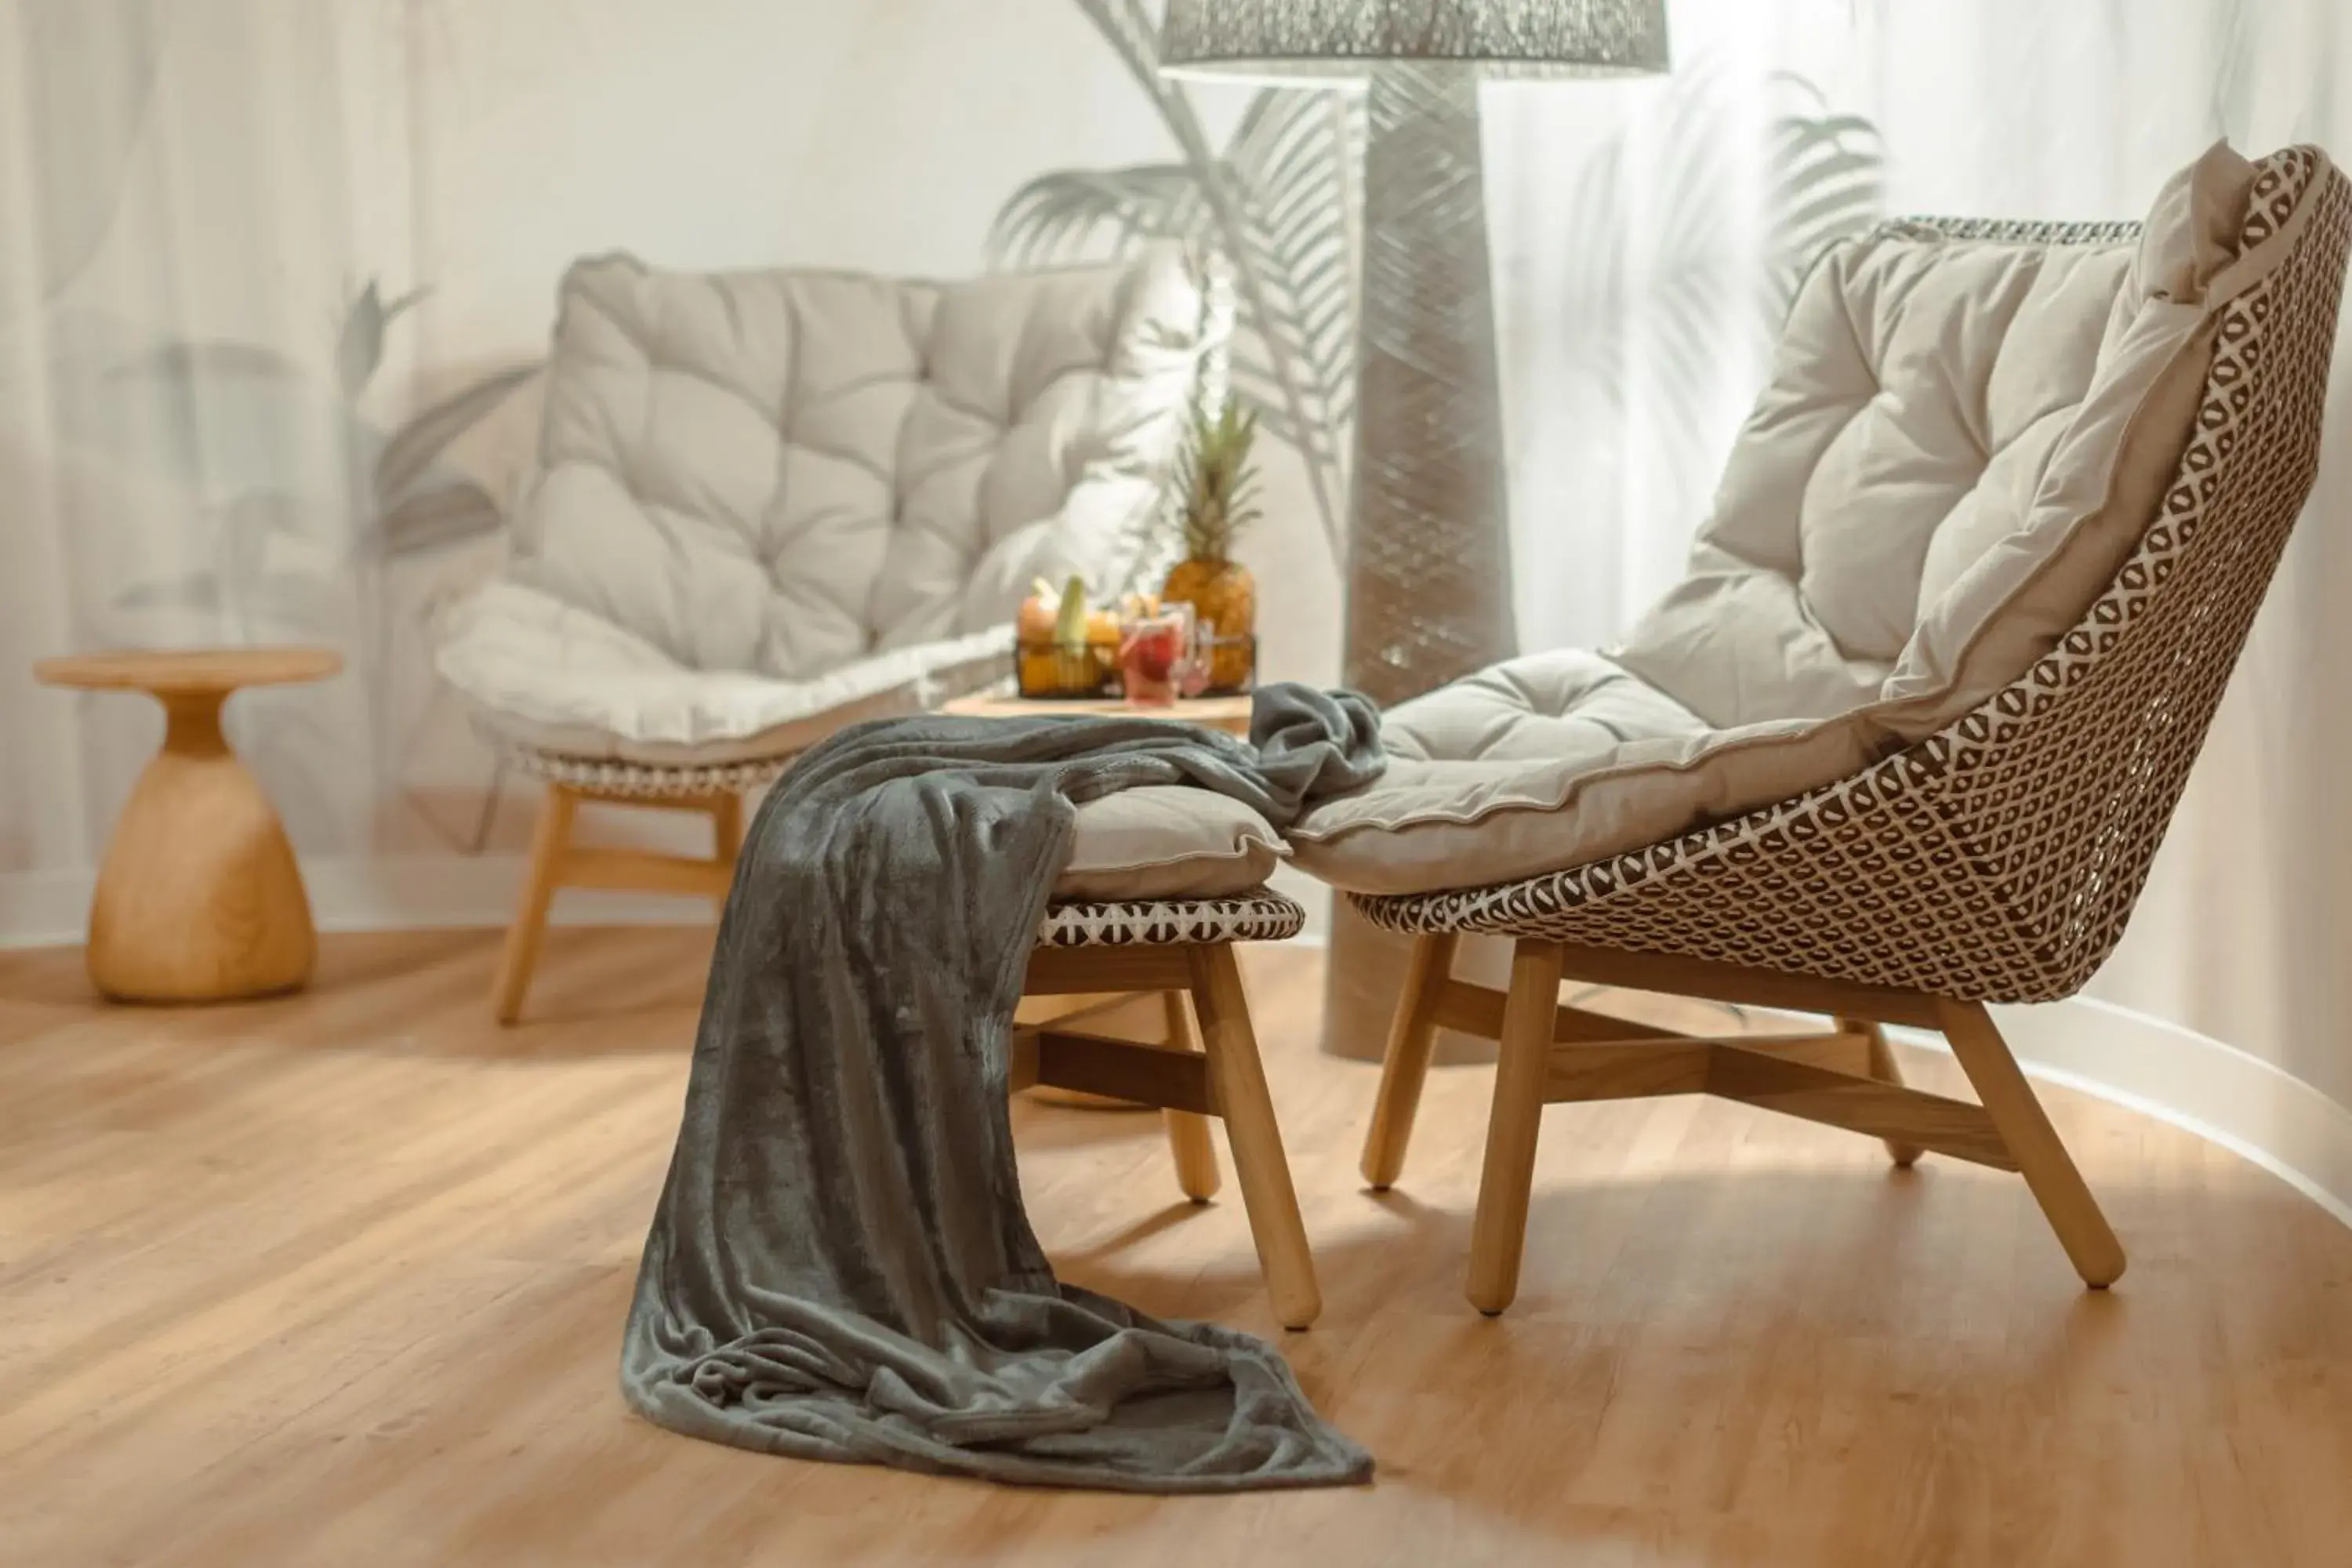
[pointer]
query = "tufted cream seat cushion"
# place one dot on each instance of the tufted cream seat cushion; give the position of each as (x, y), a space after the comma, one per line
(772, 502)
(1959, 442)
(1168, 841)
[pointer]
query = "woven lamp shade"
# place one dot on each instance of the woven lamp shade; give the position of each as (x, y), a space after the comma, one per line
(1318, 40)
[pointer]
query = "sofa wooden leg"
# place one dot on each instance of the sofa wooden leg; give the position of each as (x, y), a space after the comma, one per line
(1238, 1078)
(725, 827)
(1187, 1135)
(547, 847)
(2042, 1159)
(1498, 1235)
(1886, 1069)
(1412, 1033)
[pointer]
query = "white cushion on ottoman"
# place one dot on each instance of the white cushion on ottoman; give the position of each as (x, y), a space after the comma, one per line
(555, 679)
(1168, 841)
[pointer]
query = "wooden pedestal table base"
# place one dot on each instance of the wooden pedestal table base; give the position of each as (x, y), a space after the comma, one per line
(200, 898)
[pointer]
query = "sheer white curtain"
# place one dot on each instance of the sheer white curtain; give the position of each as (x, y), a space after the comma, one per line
(182, 244)
(273, 274)
(2241, 934)
(1635, 225)
(1635, 234)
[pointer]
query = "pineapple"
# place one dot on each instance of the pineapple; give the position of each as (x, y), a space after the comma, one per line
(1216, 489)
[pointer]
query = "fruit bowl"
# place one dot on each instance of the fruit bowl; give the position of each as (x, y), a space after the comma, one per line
(1046, 671)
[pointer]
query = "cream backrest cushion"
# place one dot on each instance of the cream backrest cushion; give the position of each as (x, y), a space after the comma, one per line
(1961, 441)
(780, 472)
(1937, 406)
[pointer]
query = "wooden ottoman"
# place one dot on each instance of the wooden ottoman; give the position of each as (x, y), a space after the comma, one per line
(1182, 948)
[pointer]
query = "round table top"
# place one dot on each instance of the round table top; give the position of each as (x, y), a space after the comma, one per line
(194, 669)
(1228, 713)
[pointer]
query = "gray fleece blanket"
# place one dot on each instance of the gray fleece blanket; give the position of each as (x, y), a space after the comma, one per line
(840, 1266)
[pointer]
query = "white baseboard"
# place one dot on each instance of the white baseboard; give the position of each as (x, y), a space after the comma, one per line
(2191, 1081)
(43, 908)
(50, 909)
(2161, 1069)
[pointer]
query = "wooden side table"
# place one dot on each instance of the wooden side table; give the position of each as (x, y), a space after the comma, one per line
(200, 898)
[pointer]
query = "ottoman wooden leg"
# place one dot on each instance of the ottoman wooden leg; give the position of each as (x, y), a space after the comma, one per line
(1238, 1077)
(1187, 1135)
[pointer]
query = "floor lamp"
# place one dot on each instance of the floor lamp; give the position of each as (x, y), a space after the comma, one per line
(1428, 574)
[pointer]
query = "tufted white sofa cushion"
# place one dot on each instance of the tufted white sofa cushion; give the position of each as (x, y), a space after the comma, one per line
(771, 502)
(557, 678)
(1960, 442)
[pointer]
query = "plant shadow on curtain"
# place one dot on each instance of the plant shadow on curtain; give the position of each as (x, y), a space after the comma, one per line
(193, 341)
(1636, 312)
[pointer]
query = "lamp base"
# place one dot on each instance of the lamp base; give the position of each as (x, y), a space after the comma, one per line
(1429, 562)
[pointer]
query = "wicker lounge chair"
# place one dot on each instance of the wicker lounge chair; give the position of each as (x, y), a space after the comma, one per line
(1994, 860)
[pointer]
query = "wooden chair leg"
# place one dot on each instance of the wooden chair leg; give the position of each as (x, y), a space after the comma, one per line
(727, 827)
(1499, 1233)
(1187, 1135)
(548, 845)
(1260, 1165)
(1412, 1034)
(1886, 1069)
(2049, 1171)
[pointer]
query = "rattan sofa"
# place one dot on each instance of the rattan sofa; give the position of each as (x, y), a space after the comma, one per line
(769, 504)
(1995, 860)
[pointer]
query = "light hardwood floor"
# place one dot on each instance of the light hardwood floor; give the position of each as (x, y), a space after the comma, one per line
(339, 1280)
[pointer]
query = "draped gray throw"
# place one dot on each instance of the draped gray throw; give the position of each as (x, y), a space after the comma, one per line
(840, 1266)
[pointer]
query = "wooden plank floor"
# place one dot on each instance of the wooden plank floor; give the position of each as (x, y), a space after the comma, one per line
(340, 1279)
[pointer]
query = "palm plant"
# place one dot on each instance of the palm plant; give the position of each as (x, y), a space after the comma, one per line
(1278, 206)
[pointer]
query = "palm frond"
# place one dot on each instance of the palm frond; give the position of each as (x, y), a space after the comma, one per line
(1295, 154)
(2234, 39)
(1655, 304)
(1083, 214)
(1226, 194)
(1128, 29)
(409, 455)
(1695, 306)
(1595, 310)
(1828, 182)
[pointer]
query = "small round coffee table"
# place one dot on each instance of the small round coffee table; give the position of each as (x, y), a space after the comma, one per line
(1231, 715)
(200, 898)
